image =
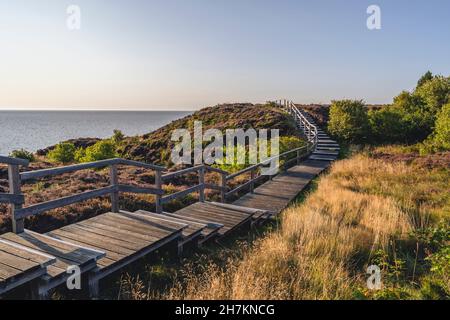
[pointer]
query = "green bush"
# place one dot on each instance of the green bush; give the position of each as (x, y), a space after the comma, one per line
(102, 150)
(22, 154)
(63, 152)
(286, 143)
(442, 128)
(387, 125)
(80, 154)
(349, 121)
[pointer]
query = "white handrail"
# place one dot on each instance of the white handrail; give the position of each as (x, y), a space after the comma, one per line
(308, 128)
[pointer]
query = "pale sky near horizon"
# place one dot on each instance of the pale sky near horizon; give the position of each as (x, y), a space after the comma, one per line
(187, 54)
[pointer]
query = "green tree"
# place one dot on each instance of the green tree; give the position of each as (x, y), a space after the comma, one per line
(349, 121)
(435, 93)
(63, 152)
(426, 77)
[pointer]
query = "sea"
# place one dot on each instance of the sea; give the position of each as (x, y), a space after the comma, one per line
(33, 130)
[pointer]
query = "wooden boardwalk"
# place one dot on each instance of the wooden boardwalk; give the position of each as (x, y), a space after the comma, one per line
(106, 243)
(275, 195)
(231, 217)
(19, 265)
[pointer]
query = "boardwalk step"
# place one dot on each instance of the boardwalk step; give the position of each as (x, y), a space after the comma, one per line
(211, 230)
(326, 152)
(322, 158)
(20, 265)
(230, 218)
(66, 253)
(193, 230)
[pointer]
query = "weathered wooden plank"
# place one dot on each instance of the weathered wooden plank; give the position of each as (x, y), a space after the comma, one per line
(18, 224)
(133, 163)
(17, 262)
(11, 198)
(214, 187)
(52, 247)
(26, 253)
(192, 228)
(89, 239)
(7, 272)
(131, 226)
(14, 161)
(178, 173)
(209, 224)
(84, 166)
(36, 174)
(98, 236)
(134, 226)
(133, 189)
(160, 223)
(53, 204)
(119, 231)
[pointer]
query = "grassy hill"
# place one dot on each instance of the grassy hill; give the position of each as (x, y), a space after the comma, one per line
(153, 147)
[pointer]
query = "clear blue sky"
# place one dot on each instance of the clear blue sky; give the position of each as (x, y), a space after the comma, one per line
(186, 54)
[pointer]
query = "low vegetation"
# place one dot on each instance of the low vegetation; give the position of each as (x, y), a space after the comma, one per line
(23, 154)
(365, 211)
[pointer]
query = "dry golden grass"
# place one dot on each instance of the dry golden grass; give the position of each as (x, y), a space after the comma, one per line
(314, 253)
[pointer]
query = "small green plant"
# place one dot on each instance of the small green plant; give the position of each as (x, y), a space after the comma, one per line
(118, 136)
(39, 186)
(102, 150)
(22, 154)
(63, 152)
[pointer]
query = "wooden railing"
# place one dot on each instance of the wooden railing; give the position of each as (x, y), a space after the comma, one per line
(19, 213)
(200, 187)
(16, 198)
(309, 129)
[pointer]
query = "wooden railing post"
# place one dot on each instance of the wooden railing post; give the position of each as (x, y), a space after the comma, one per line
(114, 183)
(158, 185)
(223, 190)
(252, 184)
(201, 182)
(18, 225)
